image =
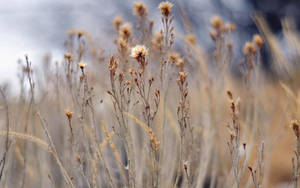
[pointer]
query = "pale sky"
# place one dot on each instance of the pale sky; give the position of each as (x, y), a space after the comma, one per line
(36, 27)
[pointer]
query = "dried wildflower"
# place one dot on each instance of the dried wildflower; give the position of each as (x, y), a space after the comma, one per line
(295, 127)
(113, 65)
(123, 46)
(250, 168)
(185, 165)
(80, 33)
(232, 135)
(258, 40)
(181, 77)
(191, 39)
(68, 56)
(131, 71)
(244, 145)
(127, 82)
(139, 52)
(173, 57)
(180, 64)
(81, 65)
(230, 26)
(121, 76)
(125, 31)
(229, 94)
(249, 49)
(216, 22)
(158, 40)
(165, 8)
(117, 22)
(139, 9)
(69, 114)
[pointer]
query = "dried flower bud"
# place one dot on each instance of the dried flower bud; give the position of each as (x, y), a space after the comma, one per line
(117, 22)
(258, 40)
(123, 45)
(295, 127)
(81, 65)
(158, 40)
(68, 56)
(230, 95)
(127, 82)
(131, 71)
(139, 52)
(139, 9)
(80, 33)
(180, 63)
(157, 93)
(121, 76)
(250, 168)
(216, 22)
(185, 165)
(249, 49)
(230, 26)
(69, 114)
(173, 57)
(125, 31)
(191, 39)
(113, 65)
(165, 8)
(181, 77)
(78, 159)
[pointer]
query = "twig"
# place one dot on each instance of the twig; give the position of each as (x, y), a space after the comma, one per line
(65, 173)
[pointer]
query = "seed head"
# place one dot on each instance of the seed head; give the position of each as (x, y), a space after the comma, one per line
(295, 127)
(123, 46)
(191, 39)
(69, 114)
(81, 65)
(249, 49)
(117, 22)
(139, 9)
(180, 64)
(231, 27)
(229, 94)
(165, 8)
(173, 57)
(158, 40)
(113, 65)
(139, 52)
(258, 40)
(216, 22)
(125, 31)
(80, 33)
(68, 56)
(181, 77)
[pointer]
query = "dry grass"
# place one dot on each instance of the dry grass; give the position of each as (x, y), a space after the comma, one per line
(150, 116)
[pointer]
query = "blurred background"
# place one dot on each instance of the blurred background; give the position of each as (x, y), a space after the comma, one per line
(36, 27)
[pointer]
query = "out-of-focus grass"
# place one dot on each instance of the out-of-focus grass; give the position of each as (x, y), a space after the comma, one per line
(150, 116)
